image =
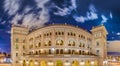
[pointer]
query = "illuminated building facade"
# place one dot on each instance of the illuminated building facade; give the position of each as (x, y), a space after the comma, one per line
(58, 45)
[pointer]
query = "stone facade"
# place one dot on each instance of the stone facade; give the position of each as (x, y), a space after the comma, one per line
(58, 45)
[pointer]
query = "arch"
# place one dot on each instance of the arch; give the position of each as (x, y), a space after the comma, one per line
(24, 63)
(57, 51)
(96, 63)
(49, 43)
(59, 41)
(59, 63)
(80, 52)
(61, 51)
(73, 51)
(69, 51)
(71, 42)
(31, 63)
(87, 63)
(75, 63)
(43, 63)
(50, 52)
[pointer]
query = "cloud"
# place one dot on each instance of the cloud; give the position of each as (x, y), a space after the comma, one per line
(63, 11)
(66, 10)
(8, 32)
(118, 33)
(104, 19)
(90, 15)
(29, 18)
(3, 22)
(11, 6)
(74, 4)
(111, 16)
(80, 18)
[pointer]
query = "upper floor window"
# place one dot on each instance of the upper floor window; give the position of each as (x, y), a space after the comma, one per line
(97, 52)
(17, 46)
(97, 44)
(16, 40)
(59, 42)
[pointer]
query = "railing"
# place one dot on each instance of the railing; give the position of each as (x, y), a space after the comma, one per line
(62, 55)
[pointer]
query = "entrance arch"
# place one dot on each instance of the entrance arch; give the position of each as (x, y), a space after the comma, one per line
(75, 63)
(43, 63)
(59, 63)
(24, 63)
(87, 63)
(96, 63)
(31, 63)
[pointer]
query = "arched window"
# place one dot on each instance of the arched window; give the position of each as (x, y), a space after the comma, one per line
(80, 52)
(49, 43)
(73, 43)
(39, 52)
(39, 44)
(73, 51)
(36, 53)
(69, 51)
(57, 51)
(17, 46)
(16, 40)
(50, 51)
(83, 45)
(83, 52)
(59, 42)
(61, 51)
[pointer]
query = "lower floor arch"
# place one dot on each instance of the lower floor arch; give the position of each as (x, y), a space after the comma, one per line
(96, 63)
(87, 63)
(31, 63)
(24, 63)
(43, 63)
(59, 63)
(75, 63)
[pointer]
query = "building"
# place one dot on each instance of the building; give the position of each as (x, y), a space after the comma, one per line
(114, 52)
(58, 45)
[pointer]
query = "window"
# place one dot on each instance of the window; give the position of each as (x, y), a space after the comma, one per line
(97, 43)
(39, 44)
(73, 43)
(61, 51)
(36, 53)
(23, 46)
(16, 40)
(97, 51)
(79, 51)
(49, 43)
(50, 51)
(69, 51)
(17, 46)
(62, 33)
(16, 54)
(50, 33)
(57, 51)
(59, 42)
(23, 54)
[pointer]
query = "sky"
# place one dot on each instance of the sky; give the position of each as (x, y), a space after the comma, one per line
(38, 13)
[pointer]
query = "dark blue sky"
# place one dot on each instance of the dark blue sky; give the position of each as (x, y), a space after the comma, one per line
(37, 13)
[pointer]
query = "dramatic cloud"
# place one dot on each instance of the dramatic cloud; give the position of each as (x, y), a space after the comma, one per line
(11, 6)
(91, 15)
(74, 4)
(111, 16)
(3, 22)
(66, 10)
(28, 19)
(104, 19)
(63, 11)
(118, 33)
